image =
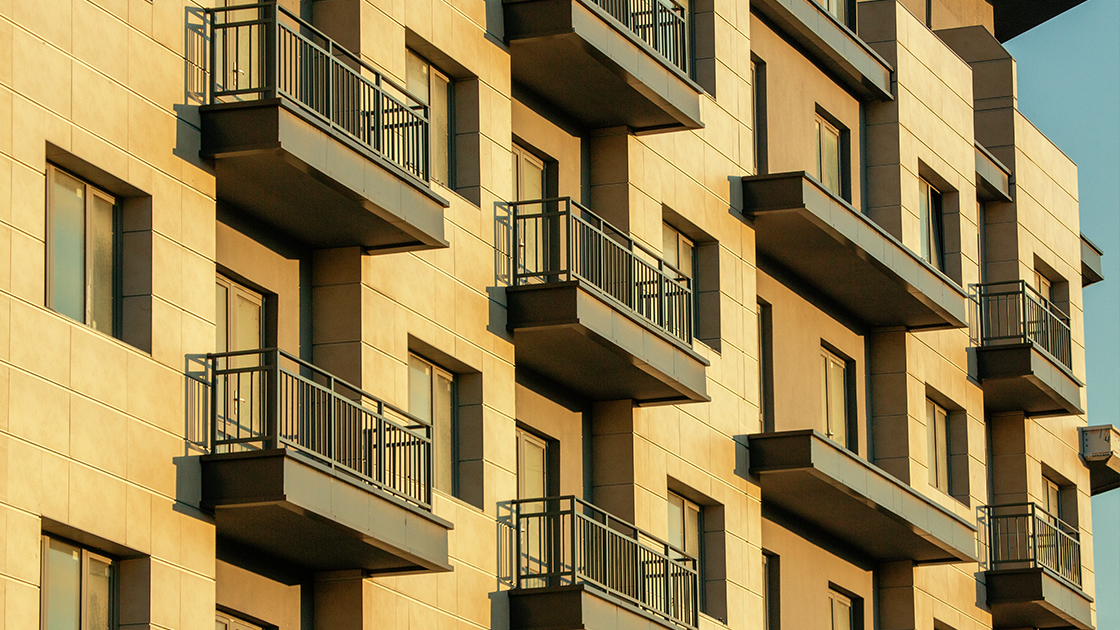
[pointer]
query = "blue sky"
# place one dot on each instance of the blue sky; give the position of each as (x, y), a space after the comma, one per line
(1069, 87)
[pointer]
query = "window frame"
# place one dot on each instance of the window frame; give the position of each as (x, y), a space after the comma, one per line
(687, 507)
(432, 74)
(525, 437)
(85, 556)
(451, 458)
(235, 623)
(823, 124)
(931, 216)
(837, 598)
(939, 466)
(830, 357)
(91, 192)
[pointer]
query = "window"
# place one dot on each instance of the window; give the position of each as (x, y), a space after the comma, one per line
(239, 312)
(685, 532)
(771, 592)
(842, 610)
(677, 249)
(829, 162)
(222, 621)
(834, 396)
(929, 215)
(766, 366)
(937, 434)
(838, 9)
(79, 588)
(1043, 285)
(432, 88)
(83, 251)
(431, 397)
(528, 175)
(532, 466)
(758, 114)
(1053, 497)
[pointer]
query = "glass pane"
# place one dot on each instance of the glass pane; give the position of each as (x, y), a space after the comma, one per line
(515, 171)
(67, 266)
(841, 615)
(691, 529)
(676, 521)
(931, 442)
(419, 389)
(220, 625)
(669, 244)
(531, 469)
(64, 586)
(416, 77)
(819, 172)
(831, 159)
(923, 218)
(838, 403)
(942, 430)
(247, 324)
(935, 255)
(441, 128)
(101, 241)
(221, 304)
(685, 265)
(532, 185)
(442, 432)
(824, 397)
(98, 602)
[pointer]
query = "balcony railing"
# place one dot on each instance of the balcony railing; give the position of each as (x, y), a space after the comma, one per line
(264, 399)
(558, 240)
(662, 24)
(1024, 535)
(563, 541)
(262, 51)
(1014, 312)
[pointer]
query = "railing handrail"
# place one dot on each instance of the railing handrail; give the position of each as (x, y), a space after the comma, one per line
(1034, 509)
(334, 47)
(636, 536)
(675, 50)
(631, 243)
(1022, 286)
(1059, 551)
(310, 366)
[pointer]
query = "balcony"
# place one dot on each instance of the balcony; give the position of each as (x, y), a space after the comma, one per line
(606, 63)
(1100, 448)
(577, 566)
(595, 311)
(1023, 351)
(308, 139)
(831, 45)
(1091, 270)
(846, 257)
(1034, 570)
(314, 471)
(806, 475)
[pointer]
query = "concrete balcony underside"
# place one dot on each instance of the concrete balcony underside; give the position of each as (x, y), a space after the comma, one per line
(1100, 448)
(569, 333)
(846, 257)
(814, 479)
(1032, 598)
(1021, 378)
(831, 45)
(291, 508)
(276, 163)
(580, 60)
(577, 607)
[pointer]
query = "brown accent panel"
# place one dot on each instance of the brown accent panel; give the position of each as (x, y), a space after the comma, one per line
(1034, 598)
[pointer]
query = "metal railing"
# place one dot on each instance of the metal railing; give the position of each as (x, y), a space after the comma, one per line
(558, 240)
(1023, 535)
(263, 51)
(267, 398)
(663, 24)
(563, 541)
(1014, 312)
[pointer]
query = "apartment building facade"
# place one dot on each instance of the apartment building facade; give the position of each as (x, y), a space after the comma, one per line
(519, 314)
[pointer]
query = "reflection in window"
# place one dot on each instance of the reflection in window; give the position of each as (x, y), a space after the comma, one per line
(77, 588)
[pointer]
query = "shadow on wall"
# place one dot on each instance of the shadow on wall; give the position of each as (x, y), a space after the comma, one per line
(195, 78)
